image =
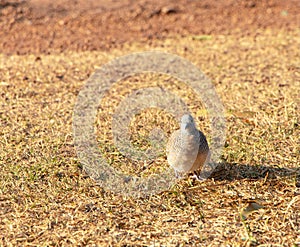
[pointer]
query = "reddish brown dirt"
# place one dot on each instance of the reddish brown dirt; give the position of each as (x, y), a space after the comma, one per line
(45, 26)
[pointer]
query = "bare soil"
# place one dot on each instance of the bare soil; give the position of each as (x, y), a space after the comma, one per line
(44, 26)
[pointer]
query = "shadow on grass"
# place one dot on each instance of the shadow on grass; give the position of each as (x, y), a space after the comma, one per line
(232, 171)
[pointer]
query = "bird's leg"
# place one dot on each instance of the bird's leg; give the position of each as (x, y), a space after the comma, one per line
(197, 177)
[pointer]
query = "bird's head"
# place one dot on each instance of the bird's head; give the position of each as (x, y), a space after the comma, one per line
(187, 123)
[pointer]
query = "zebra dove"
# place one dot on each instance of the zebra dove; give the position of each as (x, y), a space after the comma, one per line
(187, 149)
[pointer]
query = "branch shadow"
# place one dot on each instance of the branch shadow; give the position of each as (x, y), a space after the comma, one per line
(234, 171)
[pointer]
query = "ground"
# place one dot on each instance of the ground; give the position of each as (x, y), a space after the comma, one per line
(249, 50)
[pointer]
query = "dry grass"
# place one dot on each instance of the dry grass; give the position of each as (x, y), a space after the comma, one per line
(46, 199)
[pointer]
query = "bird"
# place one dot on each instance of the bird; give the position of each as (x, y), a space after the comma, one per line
(187, 148)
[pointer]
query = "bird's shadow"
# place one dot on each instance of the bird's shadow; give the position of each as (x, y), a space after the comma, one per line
(233, 171)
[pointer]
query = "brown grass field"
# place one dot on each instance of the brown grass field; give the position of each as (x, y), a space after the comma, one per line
(253, 198)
